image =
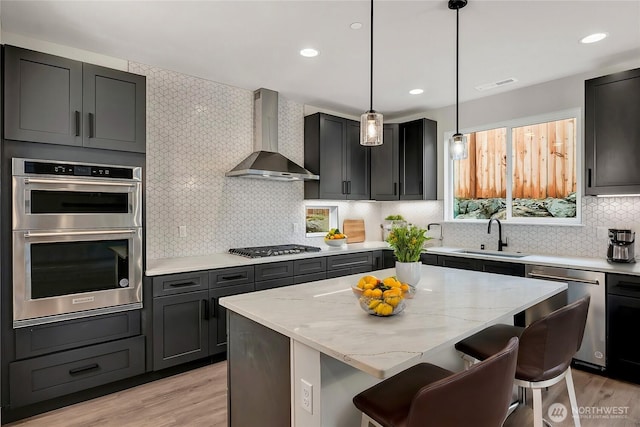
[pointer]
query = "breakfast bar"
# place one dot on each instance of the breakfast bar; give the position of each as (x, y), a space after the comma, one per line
(298, 354)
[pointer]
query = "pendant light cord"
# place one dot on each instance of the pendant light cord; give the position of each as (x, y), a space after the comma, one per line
(371, 64)
(457, 61)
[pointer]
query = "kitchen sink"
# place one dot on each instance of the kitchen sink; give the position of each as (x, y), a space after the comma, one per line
(491, 253)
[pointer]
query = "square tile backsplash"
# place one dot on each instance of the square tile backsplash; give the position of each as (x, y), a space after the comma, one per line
(199, 129)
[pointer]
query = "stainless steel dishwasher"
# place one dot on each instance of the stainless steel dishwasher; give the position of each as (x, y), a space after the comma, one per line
(592, 353)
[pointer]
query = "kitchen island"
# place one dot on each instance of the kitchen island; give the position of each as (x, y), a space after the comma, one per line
(297, 355)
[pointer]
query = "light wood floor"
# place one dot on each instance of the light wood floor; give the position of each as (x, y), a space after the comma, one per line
(198, 398)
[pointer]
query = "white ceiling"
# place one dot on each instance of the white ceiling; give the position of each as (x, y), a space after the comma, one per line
(253, 44)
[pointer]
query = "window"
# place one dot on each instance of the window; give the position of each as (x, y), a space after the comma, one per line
(525, 171)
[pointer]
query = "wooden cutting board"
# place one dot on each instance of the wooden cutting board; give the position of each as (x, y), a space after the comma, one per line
(354, 229)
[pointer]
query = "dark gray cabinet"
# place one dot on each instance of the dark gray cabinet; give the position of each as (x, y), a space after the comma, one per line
(180, 328)
(56, 100)
(332, 150)
(429, 259)
(405, 166)
(504, 268)
(612, 134)
(343, 265)
(460, 263)
(218, 316)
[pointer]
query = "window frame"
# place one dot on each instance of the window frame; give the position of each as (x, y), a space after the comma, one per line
(572, 113)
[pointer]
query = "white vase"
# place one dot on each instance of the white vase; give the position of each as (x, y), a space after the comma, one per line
(409, 272)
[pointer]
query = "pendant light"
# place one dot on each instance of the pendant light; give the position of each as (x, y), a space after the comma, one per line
(458, 147)
(370, 121)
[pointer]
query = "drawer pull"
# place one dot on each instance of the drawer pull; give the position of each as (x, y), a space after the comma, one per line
(214, 308)
(205, 309)
(182, 284)
(234, 277)
(635, 287)
(84, 369)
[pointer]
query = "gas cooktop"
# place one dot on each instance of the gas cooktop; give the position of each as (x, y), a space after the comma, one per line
(263, 251)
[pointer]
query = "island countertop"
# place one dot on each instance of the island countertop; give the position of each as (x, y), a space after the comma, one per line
(449, 305)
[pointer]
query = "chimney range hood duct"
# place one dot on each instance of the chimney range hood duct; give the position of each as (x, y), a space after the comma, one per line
(265, 162)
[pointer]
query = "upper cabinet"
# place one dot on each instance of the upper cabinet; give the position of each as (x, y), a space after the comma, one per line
(332, 150)
(405, 166)
(612, 134)
(56, 100)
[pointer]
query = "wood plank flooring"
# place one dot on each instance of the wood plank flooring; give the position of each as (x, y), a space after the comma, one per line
(198, 398)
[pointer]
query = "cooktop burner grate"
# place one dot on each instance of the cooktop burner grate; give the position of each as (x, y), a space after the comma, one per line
(263, 251)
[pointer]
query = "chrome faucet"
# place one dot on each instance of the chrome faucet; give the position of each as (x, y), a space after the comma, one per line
(501, 244)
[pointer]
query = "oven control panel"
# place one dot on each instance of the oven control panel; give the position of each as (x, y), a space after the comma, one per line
(73, 169)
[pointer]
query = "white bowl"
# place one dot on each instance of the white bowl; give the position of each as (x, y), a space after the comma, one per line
(335, 242)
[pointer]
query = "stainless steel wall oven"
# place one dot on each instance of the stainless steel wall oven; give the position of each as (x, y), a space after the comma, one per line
(77, 240)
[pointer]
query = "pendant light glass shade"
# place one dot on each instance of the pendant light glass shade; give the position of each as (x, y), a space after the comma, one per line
(458, 147)
(370, 121)
(371, 128)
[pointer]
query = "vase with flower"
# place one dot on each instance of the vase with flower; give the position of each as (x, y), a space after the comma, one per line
(407, 242)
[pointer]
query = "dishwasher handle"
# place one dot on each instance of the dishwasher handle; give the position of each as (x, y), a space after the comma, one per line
(563, 279)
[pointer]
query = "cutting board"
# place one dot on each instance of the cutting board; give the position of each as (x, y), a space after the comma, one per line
(354, 229)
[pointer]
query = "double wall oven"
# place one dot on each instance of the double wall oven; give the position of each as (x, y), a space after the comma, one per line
(77, 240)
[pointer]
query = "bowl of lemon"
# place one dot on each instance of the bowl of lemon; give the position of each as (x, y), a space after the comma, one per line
(381, 297)
(335, 238)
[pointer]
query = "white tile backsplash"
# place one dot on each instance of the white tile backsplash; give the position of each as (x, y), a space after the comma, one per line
(199, 129)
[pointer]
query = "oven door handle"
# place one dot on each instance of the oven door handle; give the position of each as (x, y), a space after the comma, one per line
(78, 182)
(29, 234)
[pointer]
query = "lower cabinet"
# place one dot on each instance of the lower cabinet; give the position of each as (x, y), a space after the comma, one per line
(45, 377)
(218, 323)
(354, 263)
(460, 263)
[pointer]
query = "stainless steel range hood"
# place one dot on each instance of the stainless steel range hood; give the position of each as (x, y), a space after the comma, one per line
(265, 162)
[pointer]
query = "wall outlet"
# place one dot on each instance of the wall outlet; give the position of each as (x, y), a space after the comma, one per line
(182, 231)
(306, 395)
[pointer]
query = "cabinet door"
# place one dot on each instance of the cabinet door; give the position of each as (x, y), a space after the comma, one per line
(333, 183)
(429, 259)
(612, 132)
(273, 271)
(357, 164)
(411, 160)
(43, 97)
(385, 166)
(114, 108)
(218, 325)
(506, 268)
(460, 263)
(180, 328)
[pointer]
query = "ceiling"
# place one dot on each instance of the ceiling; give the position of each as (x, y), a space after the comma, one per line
(253, 44)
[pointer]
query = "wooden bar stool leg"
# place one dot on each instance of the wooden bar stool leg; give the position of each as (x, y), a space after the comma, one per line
(572, 398)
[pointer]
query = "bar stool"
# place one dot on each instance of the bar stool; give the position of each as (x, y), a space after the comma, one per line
(546, 349)
(428, 395)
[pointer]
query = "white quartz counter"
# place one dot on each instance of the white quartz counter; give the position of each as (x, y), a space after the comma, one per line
(580, 263)
(157, 267)
(450, 305)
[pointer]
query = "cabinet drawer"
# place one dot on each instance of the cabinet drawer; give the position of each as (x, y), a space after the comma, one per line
(178, 283)
(429, 259)
(628, 286)
(350, 260)
(274, 283)
(309, 277)
(506, 268)
(52, 337)
(460, 263)
(46, 377)
(273, 270)
(231, 276)
(309, 266)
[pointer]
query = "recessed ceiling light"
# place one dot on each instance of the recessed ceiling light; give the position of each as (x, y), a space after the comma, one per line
(592, 38)
(416, 91)
(356, 26)
(309, 53)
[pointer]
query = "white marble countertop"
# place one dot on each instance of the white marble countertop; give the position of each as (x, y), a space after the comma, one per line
(450, 305)
(157, 267)
(580, 263)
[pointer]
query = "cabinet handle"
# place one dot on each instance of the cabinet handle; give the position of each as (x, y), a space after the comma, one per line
(77, 123)
(83, 369)
(205, 309)
(181, 285)
(348, 187)
(420, 188)
(214, 308)
(91, 125)
(344, 187)
(395, 188)
(234, 277)
(404, 157)
(589, 177)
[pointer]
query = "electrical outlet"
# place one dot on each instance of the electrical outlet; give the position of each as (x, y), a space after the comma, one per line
(182, 231)
(306, 394)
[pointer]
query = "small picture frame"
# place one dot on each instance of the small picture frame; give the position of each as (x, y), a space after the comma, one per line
(320, 219)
